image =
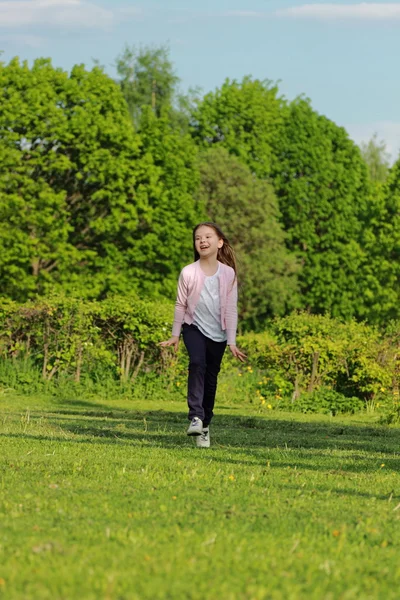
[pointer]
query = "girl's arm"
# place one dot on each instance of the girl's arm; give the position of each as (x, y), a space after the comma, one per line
(231, 321)
(231, 313)
(179, 314)
(180, 306)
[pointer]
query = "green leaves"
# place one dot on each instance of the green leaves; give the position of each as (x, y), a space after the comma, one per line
(91, 206)
(82, 196)
(321, 184)
(313, 352)
(245, 118)
(382, 239)
(246, 209)
(162, 244)
(67, 174)
(62, 335)
(319, 179)
(147, 78)
(377, 159)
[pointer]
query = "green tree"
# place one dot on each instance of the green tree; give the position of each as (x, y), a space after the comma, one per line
(322, 186)
(34, 229)
(380, 288)
(318, 175)
(381, 285)
(162, 244)
(79, 189)
(34, 220)
(147, 78)
(246, 118)
(247, 209)
(376, 158)
(75, 175)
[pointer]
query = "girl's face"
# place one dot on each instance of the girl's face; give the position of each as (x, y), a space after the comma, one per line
(207, 242)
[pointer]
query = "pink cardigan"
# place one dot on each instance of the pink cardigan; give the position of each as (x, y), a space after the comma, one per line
(190, 284)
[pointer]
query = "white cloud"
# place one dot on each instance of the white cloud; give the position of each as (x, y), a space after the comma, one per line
(77, 13)
(387, 131)
(367, 11)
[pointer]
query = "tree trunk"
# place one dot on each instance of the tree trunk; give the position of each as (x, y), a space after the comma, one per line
(138, 366)
(314, 372)
(78, 364)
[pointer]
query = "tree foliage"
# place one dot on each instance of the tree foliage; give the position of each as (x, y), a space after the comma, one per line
(71, 174)
(147, 78)
(95, 206)
(381, 284)
(376, 158)
(245, 118)
(319, 178)
(78, 187)
(162, 243)
(246, 208)
(322, 187)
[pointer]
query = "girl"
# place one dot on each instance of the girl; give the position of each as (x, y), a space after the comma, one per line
(206, 310)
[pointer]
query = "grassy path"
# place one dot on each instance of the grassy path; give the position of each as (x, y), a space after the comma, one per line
(115, 502)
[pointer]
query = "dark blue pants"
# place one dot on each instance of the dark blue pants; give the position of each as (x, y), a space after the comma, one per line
(205, 358)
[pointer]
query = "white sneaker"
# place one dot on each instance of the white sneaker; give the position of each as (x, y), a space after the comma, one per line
(195, 427)
(203, 440)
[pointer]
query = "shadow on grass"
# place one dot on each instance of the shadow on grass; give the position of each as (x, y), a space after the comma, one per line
(338, 491)
(242, 440)
(235, 430)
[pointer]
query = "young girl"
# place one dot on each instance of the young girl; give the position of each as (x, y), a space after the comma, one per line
(206, 310)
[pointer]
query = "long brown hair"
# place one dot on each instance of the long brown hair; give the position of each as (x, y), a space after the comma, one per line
(225, 254)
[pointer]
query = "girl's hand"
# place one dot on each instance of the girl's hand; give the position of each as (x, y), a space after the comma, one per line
(237, 353)
(173, 341)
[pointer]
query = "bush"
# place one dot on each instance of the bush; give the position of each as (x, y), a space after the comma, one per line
(303, 354)
(66, 337)
(328, 401)
(68, 347)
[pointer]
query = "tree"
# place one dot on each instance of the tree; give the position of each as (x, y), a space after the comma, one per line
(74, 175)
(34, 220)
(376, 158)
(381, 282)
(245, 118)
(319, 178)
(246, 208)
(162, 244)
(147, 78)
(322, 187)
(79, 189)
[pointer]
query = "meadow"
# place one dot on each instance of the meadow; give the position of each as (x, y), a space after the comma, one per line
(111, 500)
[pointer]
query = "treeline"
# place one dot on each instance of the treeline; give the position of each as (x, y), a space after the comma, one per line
(101, 182)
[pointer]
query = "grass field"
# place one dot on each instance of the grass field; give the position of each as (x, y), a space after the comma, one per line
(115, 502)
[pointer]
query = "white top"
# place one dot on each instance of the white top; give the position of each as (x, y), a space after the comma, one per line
(207, 316)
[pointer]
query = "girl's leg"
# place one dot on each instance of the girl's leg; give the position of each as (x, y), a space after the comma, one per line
(195, 343)
(214, 354)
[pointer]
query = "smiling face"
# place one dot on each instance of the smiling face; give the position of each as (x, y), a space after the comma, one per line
(207, 242)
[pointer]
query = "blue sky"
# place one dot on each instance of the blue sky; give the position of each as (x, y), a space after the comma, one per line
(342, 55)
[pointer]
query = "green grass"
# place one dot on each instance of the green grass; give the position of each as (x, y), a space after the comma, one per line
(113, 501)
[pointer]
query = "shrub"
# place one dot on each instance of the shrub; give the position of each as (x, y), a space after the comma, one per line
(66, 347)
(328, 401)
(69, 337)
(302, 354)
